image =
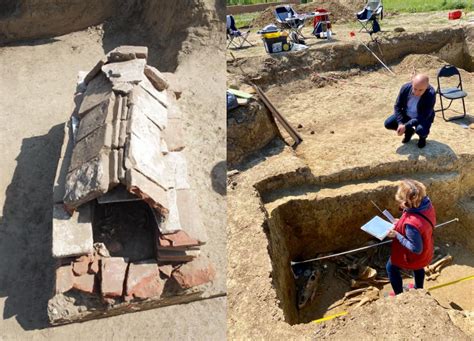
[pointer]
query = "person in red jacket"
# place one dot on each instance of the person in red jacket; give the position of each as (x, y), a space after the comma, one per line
(413, 245)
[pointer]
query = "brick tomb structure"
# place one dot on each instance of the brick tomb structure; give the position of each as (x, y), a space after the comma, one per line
(126, 227)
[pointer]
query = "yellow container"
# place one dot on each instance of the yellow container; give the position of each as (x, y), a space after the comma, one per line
(271, 35)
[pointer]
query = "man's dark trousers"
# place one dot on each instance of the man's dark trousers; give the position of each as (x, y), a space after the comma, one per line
(392, 124)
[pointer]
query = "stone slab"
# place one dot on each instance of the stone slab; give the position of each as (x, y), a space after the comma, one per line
(143, 150)
(127, 52)
(94, 71)
(114, 168)
(88, 181)
(146, 189)
(121, 169)
(143, 280)
(190, 215)
(113, 271)
(118, 194)
(96, 118)
(98, 90)
(194, 273)
(63, 164)
(156, 78)
(72, 235)
(176, 170)
(160, 96)
(172, 223)
(130, 71)
(146, 104)
(174, 135)
(100, 140)
(125, 109)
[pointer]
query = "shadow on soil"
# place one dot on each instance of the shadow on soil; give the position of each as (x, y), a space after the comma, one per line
(26, 264)
(432, 149)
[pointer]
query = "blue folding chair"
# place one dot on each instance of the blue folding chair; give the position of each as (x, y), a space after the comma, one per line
(368, 16)
(451, 93)
(235, 37)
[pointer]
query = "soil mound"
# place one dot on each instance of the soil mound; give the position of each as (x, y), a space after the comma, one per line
(412, 315)
(416, 61)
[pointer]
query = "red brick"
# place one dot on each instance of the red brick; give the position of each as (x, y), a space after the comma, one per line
(84, 283)
(113, 272)
(81, 265)
(179, 239)
(64, 279)
(94, 266)
(166, 270)
(143, 280)
(194, 273)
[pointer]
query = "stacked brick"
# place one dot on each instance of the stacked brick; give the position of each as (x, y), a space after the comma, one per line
(126, 133)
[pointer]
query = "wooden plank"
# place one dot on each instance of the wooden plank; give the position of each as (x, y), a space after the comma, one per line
(293, 133)
(241, 94)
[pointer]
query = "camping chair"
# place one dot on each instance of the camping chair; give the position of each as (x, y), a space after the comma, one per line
(287, 18)
(452, 93)
(322, 24)
(368, 16)
(235, 37)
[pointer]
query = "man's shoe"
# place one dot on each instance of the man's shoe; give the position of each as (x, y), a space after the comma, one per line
(422, 142)
(408, 134)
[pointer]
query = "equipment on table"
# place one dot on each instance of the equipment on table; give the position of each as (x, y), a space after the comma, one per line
(287, 18)
(368, 16)
(451, 93)
(235, 37)
(322, 24)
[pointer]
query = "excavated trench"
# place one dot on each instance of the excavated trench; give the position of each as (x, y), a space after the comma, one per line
(309, 220)
(310, 213)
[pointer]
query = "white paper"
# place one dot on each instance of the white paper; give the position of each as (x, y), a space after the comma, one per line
(377, 227)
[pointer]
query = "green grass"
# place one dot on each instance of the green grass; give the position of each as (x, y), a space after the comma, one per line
(245, 19)
(414, 6)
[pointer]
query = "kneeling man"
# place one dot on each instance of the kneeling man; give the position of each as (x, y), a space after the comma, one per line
(414, 110)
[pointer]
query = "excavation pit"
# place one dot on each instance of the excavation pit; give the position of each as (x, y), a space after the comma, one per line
(324, 221)
(316, 196)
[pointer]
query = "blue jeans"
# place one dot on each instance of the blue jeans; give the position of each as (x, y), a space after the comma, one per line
(392, 124)
(396, 281)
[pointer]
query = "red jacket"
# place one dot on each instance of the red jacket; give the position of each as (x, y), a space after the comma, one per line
(404, 258)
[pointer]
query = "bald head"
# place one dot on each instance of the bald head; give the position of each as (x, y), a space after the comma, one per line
(420, 83)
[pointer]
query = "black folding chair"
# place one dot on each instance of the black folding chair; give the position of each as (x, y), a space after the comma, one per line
(235, 37)
(451, 93)
(288, 19)
(368, 17)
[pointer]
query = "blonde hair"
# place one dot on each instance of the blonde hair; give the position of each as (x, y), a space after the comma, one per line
(410, 193)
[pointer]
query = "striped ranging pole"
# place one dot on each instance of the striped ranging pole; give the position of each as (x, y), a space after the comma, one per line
(361, 248)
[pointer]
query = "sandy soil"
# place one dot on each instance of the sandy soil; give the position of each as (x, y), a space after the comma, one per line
(37, 84)
(341, 123)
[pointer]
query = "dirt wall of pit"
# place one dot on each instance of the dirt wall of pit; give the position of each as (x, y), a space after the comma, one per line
(314, 220)
(32, 19)
(454, 45)
(249, 128)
